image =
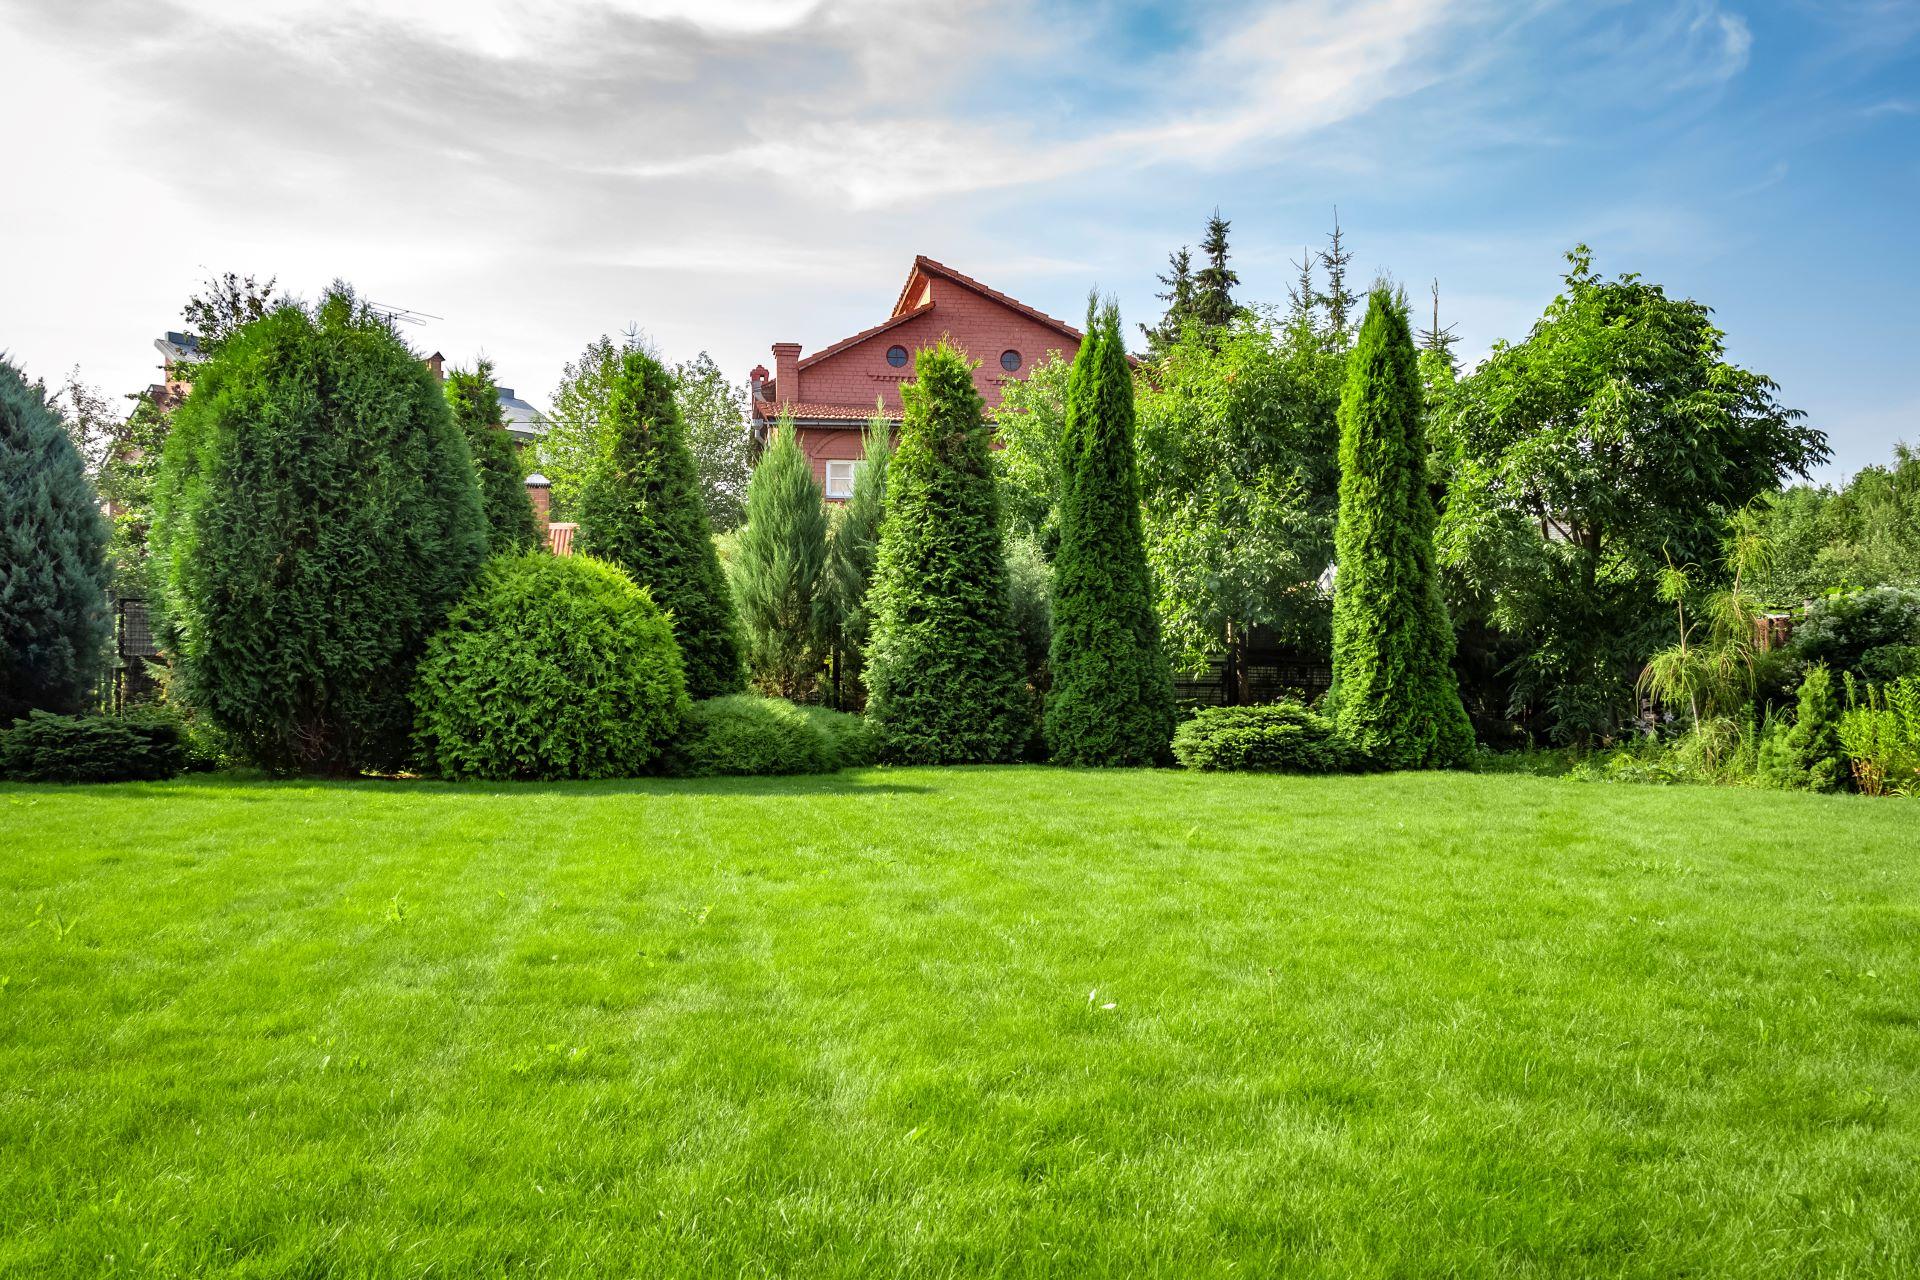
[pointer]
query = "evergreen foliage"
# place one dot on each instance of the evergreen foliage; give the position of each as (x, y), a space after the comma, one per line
(1336, 299)
(1179, 285)
(1396, 697)
(1213, 284)
(742, 735)
(1111, 701)
(852, 547)
(317, 516)
(550, 667)
(776, 569)
(942, 666)
(52, 748)
(496, 463)
(641, 509)
(1808, 754)
(1278, 737)
(53, 568)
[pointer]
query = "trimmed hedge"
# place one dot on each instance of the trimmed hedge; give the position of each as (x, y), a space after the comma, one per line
(50, 748)
(551, 667)
(851, 741)
(742, 735)
(1281, 737)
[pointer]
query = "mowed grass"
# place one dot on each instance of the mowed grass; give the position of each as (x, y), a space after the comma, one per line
(959, 1022)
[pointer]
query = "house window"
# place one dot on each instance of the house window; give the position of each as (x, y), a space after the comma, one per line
(1010, 361)
(897, 357)
(840, 479)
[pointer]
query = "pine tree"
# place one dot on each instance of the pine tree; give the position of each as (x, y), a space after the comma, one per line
(641, 509)
(1213, 284)
(943, 667)
(1338, 300)
(851, 551)
(776, 569)
(475, 400)
(1179, 284)
(1394, 688)
(53, 566)
(1112, 693)
(316, 518)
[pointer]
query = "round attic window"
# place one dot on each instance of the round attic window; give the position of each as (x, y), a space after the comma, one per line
(897, 357)
(1010, 361)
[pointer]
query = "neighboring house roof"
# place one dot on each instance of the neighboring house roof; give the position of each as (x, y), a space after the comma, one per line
(178, 348)
(521, 419)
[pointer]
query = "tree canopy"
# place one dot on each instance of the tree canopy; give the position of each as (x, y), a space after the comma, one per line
(475, 401)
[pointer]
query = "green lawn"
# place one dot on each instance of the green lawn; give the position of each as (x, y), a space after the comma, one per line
(959, 1022)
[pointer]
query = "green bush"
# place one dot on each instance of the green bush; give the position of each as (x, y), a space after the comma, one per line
(550, 667)
(744, 735)
(1840, 630)
(1880, 732)
(942, 669)
(53, 567)
(317, 517)
(851, 741)
(1280, 737)
(474, 398)
(50, 748)
(776, 568)
(1808, 754)
(1886, 663)
(1393, 685)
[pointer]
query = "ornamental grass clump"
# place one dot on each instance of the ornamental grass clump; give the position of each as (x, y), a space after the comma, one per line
(1279, 737)
(551, 667)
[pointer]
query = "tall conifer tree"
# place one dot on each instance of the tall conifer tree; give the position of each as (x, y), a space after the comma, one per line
(475, 400)
(943, 668)
(1213, 284)
(851, 551)
(1179, 284)
(1338, 300)
(777, 566)
(1394, 688)
(1112, 697)
(53, 566)
(641, 508)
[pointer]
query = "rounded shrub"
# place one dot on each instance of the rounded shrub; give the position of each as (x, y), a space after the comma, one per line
(50, 748)
(851, 741)
(1281, 737)
(549, 667)
(747, 736)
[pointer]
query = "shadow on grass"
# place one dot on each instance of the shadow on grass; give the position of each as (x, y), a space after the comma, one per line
(252, 786)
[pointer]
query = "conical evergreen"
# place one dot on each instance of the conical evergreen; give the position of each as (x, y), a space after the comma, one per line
(851, 551)
(641, 509)
(1394, 687)
(53, 565)
(943, 667)
(1213, 284)
(1112, 696)
(496, 463)
(777, 570)
(317, 517)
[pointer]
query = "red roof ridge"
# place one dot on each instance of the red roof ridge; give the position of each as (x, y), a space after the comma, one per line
(921, 262)
(864, 334)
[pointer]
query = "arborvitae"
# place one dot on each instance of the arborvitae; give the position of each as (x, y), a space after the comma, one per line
(1213, 303)
(1179, 284)
(496, 463)
(1394, 688)
(317, 516)
(851, 551)
(1809, 754)
(53, 565)
(1112, 693)
(943, 665)
(1338, 299)
(776, 569)
(641, 508)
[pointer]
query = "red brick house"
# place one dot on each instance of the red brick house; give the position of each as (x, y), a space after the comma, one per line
(832, 393)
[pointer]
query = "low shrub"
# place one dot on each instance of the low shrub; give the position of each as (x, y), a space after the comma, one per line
(549, 667)
(1281, 737)
(1841, 629)
(745, 735)
(851, 741)
(49, 748)
(1880, 732)
(1807, 754)
(1890, 662)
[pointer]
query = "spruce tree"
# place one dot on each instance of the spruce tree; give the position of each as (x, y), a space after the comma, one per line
(1179, 284)
(1213, 284)
(1112, 693)
(641, 509)
(496, 463)
(1394, 687)
(943, 666)
(1337, 300)
(53, 566)
(851, 550)
(776, 569)
(316, 518)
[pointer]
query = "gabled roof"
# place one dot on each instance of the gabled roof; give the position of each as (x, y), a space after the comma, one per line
(923, 265)
(899, 317)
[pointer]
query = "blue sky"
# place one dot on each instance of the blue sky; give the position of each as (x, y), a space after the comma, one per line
(729, 175)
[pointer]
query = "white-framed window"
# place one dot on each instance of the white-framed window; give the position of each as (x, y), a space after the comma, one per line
(840, 478)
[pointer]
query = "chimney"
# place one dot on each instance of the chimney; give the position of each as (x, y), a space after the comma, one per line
(435, 363)
(540, 494)
(786, 371)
